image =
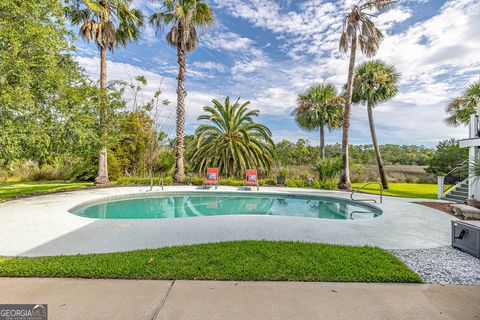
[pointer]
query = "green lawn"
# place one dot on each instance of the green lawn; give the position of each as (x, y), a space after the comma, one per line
(237, 260)
(406, 190)
(11, 190)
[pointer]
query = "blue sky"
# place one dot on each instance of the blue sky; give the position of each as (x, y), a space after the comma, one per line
(269, 51)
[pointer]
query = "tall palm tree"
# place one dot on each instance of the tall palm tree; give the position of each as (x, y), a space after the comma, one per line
(320, 107)
(184, 17)
(232, 141)
(375, 82)
(460, 109)
(109, 23)
(358, 28)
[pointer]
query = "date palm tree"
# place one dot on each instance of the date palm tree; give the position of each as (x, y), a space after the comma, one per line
(460, 109)
(108, 23)
(375, 82)
(232, 140)
(358, 29)
(317, 108)
(184, 17)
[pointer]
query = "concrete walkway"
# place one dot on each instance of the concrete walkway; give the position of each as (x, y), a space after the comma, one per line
(211, 300)
(42, 225)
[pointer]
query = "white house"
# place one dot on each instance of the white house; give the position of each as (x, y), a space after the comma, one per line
(469, 187)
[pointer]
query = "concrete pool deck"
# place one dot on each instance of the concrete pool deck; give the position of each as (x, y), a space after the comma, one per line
(42, 225)
(212, 300)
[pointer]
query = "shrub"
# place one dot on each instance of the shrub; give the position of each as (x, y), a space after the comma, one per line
(197, 181)
(283, 172)
(165, 161)
(113, 167)
(328, 168)
(143, 180)
(328, 184)
(231, 182)
(448, 156)
(267, 182)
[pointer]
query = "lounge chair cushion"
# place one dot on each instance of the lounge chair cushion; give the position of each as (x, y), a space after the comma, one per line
(212, 176)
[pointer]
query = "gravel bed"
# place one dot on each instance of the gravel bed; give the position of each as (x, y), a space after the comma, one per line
(443, 265)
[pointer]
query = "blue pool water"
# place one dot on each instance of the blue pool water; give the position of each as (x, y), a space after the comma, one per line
(180, 205)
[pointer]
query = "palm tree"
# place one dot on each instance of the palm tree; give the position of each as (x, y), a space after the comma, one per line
(358, 28)
(375, 82)
(109, 23)
(460, 109)
(184, 17)
(232, 141)
(317, 108)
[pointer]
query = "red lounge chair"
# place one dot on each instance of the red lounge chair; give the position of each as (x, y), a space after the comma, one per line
(212, 178)
(251, 178)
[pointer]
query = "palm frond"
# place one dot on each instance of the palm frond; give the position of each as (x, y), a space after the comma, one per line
(232, 140)
(461, 108)
(108, 23)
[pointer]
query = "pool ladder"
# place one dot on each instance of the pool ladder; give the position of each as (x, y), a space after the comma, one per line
(160, 184)
(367, 184)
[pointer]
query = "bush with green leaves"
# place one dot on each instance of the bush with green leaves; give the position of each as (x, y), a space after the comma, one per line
(328, 168)
(326, 184)
(282, 172)
(448, 156)
(143, 181)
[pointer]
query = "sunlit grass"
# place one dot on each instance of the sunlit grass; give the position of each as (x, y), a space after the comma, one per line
(12, 190)
(406, 190)
(237, 260)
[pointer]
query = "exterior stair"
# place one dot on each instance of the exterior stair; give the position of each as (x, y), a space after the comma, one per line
(459, 194)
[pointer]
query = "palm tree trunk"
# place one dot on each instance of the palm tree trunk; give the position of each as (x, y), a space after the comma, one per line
(102, 176)
(179, 174)
(344, 182)
(322, 142)
(381, 169)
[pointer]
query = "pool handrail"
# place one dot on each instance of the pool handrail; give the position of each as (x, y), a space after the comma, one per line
(160, 183)
(366, 184)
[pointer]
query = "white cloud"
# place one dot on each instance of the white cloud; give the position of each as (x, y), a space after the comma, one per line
(219, 39)
(209, 65)
(275, 101)
(251, 62)
(387, 20)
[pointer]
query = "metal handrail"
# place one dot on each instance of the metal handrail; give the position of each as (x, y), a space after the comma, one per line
(456, 184)
(456, 168)
(357, 211)
(160, 183)
(366, 184)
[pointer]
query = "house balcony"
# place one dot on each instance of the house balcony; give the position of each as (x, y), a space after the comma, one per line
(474, 134)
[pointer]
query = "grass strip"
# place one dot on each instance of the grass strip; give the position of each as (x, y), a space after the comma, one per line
(236, 260)
(13, 190)
(405, 190)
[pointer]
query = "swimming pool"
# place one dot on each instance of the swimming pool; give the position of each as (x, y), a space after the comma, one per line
(194, 204)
